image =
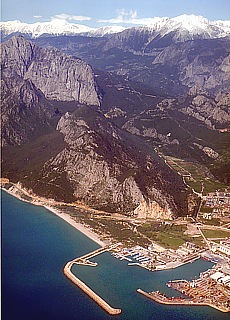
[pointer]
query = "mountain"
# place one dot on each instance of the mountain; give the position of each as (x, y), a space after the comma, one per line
(165, 31)
(58, 147)
(86, 124)
(193, 126)
(55, 27)
(31, 78)
(105, 31)
(171, 56)
(165, 66)
(112, 170)
(182, 28)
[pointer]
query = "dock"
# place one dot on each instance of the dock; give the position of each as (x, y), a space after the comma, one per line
(84, 260)
(161, 298)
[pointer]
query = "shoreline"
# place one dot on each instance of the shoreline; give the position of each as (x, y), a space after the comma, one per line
(64, 216)
(78, 226)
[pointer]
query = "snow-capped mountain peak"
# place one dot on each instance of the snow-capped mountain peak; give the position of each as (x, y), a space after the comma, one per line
(53, 27)
(185, 27)
(106, 31)
(191, 22)
(189, 27)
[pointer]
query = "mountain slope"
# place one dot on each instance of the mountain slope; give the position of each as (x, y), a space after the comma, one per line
(79, 155)
(179, 29)
(33, 80)
(58, 76)
(165, 66)
(101, 166)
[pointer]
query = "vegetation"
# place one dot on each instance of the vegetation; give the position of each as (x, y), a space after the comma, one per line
(212, 222)
(196, 175)
(168, 235)
(216, 233)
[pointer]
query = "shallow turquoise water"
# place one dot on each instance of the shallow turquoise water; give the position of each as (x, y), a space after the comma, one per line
(36, 244)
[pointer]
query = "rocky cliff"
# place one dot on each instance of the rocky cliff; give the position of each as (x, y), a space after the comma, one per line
(111, 170)
(58, 76)
(31, 79)
(89, 159)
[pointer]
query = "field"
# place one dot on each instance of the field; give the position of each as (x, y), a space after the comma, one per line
(195, 175)
(216, 233)
(168, 235)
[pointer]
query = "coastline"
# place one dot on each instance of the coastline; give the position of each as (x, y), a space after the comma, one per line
(72, 300)
(80, 227)
(15, 191)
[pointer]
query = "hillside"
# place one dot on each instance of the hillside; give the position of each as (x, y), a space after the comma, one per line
(71, 152)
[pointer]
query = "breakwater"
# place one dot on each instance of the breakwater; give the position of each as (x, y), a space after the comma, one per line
(84, 260)
(160, 298)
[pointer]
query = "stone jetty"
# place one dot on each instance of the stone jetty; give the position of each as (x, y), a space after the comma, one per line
(84, 260)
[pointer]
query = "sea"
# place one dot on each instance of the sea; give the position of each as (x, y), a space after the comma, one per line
(36, 244)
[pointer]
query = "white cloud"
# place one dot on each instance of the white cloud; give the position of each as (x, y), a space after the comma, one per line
(129, 17)
(64, 16)
(123, 16)
(37, 17)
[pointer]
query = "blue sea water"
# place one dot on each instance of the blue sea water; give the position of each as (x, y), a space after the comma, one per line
(36, 245)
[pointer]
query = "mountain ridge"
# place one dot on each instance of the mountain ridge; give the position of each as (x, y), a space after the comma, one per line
(31, 78)
(152, 92)
(77, 153)
(187, 27)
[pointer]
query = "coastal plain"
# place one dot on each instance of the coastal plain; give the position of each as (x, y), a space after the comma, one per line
(155, 257)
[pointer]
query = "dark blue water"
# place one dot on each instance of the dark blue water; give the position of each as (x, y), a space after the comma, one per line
(36, 245)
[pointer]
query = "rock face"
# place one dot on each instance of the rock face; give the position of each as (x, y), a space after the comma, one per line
(62, 77)
(109, 171)
(211, 111)
(96, 163)
(31, 78)
(58, 76)
(157, 60)
(24, 112)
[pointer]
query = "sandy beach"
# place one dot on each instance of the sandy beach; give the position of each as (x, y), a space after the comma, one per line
(86, 231)
(17, 191)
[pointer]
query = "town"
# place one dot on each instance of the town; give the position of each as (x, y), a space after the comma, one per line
(215, 205)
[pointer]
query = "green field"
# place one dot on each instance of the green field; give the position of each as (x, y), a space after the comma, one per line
(216, 233)
(195, 175)
(167, 235)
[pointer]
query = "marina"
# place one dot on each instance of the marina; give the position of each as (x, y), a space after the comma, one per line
(156, 257)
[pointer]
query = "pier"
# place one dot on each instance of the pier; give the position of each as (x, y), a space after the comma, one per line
(161, 298)
(84, 260)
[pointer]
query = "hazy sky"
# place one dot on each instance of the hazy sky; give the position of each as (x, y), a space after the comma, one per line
(96, 13)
